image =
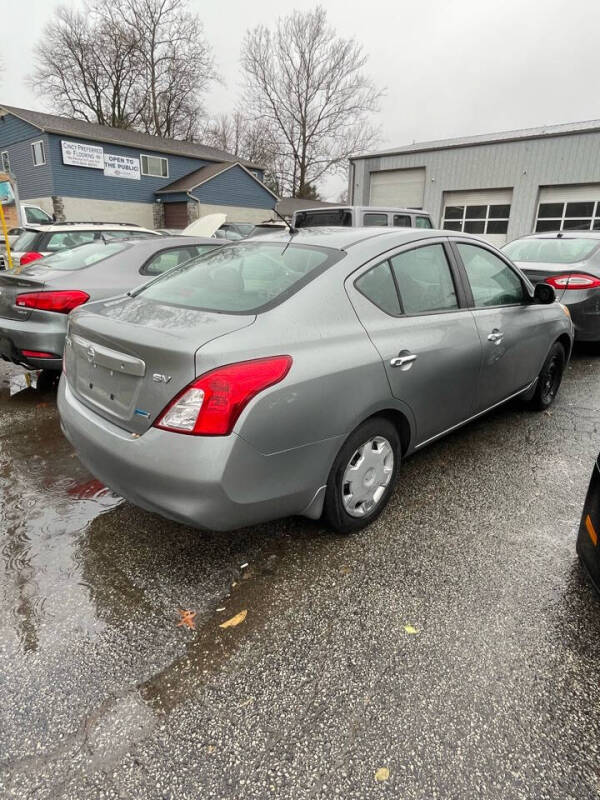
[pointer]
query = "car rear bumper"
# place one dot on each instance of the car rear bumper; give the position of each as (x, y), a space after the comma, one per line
(216, 483)
(47, 337)
(585, 313)
(588, 538)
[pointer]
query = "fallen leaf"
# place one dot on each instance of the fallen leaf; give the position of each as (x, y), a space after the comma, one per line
(345, 570)
(231, 623)
(382, 774)
(410, 629)
(187, 618)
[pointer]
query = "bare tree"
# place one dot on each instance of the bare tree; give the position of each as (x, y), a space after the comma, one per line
(139, 64)
(308, 88)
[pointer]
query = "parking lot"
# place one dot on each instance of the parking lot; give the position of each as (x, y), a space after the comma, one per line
(454, 643)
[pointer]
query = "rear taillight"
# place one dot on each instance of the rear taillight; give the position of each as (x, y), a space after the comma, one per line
(62, 302)
(27, 258)
(211, 405)
(38, 354)
(574, 280)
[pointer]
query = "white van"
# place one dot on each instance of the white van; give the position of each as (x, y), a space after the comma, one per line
(361, 216)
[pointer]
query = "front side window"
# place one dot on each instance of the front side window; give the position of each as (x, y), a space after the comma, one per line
(378, 286)
(36, 215)
(155, 166)
(424, 280)
(492, 281)
(423, 222)
(401, 221)
(5, 161)
(551, 251)
(582, 215)
(482, 219)
(167, 259)
(241, 278)
(38, 154)
(63, 240)
(375, 219)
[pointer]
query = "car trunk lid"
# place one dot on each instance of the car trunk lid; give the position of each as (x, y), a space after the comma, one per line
(127, 358)
(12, 285)
(538, 271)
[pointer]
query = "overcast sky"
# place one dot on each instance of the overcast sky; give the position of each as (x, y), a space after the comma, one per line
(449, 67)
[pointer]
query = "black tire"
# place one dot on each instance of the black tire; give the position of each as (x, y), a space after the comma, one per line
(335, 511)
(549, 379)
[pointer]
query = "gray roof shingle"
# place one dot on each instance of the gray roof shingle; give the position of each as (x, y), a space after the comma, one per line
(65, 126)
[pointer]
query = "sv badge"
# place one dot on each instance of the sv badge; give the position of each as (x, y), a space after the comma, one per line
(160, 378)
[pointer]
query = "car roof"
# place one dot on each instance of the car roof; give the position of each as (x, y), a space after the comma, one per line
(343, 238)
(561, 235)
(341, 207)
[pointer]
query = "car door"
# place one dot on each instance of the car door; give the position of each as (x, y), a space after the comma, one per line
(413, 308)
(511, 327)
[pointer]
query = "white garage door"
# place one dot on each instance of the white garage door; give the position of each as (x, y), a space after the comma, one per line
(569, 208)
(481, 211)
(398, 188)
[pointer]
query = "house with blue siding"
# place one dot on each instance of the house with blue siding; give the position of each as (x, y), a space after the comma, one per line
(78, 170)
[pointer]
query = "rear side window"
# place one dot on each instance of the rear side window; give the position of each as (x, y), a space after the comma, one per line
(167, 259)
(493, 282)
(241, 278)
(65, 239)
(424, 279)
(423, 222)
(378, 286)
(375, 219)
(401, 221)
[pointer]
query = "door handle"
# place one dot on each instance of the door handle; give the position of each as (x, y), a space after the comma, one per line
(401, 361)
(495, 336)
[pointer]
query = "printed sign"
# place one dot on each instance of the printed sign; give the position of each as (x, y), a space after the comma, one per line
(121, 167)
(82, 155)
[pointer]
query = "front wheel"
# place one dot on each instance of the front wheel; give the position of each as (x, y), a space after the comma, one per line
(549, 379)
(362, 476)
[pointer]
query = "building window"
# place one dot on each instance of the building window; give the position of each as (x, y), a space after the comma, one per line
(155, 166)
(38, 153)
(5, 161)
(477, 219)
(576, 216)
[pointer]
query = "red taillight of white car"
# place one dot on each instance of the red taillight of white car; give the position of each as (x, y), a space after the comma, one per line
(27, 258)
(62, 302)
(574, 280)
(211, 405)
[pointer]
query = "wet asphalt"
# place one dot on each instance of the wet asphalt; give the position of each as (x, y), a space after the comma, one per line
(324, 685)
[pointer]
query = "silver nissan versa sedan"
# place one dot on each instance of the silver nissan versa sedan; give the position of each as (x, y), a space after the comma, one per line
(569, 262)
(290, 374)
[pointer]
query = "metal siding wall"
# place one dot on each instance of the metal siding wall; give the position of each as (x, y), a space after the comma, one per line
(234, 188)
(525, 165)
(31, 181)
(13, 129)
(73, 181)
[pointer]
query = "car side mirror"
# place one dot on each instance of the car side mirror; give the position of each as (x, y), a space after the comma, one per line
(544, 293)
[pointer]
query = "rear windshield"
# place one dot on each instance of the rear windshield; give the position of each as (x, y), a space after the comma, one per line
(241, 278)
(25, 241)
(318, 219)
(551, 251)
(83, 256)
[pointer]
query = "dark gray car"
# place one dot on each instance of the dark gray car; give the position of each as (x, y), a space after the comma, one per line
(35, 302)
(291, 374)
(569, 262)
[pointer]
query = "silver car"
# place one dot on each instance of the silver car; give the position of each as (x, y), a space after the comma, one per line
(569, 262)
(291, 374)
(35, 302)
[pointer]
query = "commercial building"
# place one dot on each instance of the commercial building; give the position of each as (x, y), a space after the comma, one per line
(82, 171)
(499, 185)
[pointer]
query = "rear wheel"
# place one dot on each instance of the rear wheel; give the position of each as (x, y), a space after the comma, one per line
(362, 476)
(549, 379)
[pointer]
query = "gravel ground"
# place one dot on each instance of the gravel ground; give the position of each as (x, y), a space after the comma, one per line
(451, 650)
